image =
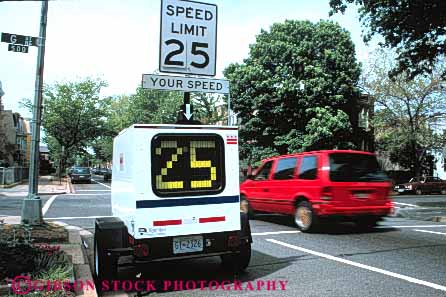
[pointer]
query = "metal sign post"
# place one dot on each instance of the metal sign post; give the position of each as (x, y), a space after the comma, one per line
(32, 205)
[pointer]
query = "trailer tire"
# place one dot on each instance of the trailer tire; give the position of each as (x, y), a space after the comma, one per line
(238, 261)
(104, 266)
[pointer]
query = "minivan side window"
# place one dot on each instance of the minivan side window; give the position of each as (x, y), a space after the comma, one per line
(308, 168)
(263, 173)
(285, 168)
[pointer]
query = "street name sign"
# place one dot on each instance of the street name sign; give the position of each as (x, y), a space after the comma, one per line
(18, 48)
(186, 84)
(20, 39)
(188, 37)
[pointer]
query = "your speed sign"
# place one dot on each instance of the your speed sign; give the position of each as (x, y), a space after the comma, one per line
(188, 41)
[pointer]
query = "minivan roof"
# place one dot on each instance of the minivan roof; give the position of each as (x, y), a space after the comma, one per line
(318, 152)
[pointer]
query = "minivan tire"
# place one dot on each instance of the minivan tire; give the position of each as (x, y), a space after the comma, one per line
(418, 192)
(304, 217)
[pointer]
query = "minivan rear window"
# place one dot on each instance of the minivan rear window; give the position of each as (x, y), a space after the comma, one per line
(346, 167)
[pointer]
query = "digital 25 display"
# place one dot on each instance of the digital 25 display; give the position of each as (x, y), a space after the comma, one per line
(187, 164)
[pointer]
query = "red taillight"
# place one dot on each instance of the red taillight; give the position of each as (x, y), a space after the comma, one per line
(233, 241)
(326, 193)
(141, 250)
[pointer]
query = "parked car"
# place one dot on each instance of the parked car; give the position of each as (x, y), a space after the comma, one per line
(101, 171)
(81, 174)
(108, 175)
(312, 186)
(422, 185)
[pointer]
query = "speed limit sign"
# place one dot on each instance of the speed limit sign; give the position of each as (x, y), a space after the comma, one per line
(188, 41)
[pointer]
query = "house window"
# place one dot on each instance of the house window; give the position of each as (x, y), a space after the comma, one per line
(363, 119)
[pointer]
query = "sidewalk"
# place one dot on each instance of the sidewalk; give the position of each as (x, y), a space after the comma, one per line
(48, 185)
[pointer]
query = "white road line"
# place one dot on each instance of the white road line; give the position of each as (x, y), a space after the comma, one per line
(406, 204)
(93, 190)
(101, 184)
(433, 232)
(48, 204)
(273, 233)
(76, 218)
(417, 226)
(91, 194)
(359, 265)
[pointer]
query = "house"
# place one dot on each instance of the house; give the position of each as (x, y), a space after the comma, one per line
(14, 134)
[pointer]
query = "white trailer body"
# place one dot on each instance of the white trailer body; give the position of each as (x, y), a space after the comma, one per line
(175, 195)
(193, 188)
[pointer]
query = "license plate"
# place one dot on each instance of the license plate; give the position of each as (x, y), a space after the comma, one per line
(400, 190)
(82, 176)
(187, 244)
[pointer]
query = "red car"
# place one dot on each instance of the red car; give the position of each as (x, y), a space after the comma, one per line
(311, 186)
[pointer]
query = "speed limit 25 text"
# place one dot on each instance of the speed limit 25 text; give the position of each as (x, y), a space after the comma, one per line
(189, 13)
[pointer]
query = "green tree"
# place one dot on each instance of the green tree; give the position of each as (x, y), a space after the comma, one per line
(143, 107)
(408, 111)
(295, 89)
(209, 109)
(416, 29)
(74, 114)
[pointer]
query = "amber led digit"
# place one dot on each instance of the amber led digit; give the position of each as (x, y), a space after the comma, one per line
(185, 164)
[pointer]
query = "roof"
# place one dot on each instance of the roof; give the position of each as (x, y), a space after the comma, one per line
(319, 152)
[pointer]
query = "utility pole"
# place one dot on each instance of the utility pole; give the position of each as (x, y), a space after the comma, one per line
(32, 205)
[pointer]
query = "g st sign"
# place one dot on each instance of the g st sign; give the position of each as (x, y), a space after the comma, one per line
(188, 41)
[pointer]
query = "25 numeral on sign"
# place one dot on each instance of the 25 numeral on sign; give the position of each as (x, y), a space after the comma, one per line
(196, 50)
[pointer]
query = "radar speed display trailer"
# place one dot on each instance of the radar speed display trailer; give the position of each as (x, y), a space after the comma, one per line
(175, 195)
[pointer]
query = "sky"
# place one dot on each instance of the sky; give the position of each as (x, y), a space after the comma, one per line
(118, 40)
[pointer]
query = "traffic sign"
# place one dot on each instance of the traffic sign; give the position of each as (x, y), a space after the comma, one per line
(18, 48)
(20, 39)
(186, 84)
(188, 38)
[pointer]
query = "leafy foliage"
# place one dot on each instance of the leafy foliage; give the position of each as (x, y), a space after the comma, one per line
(143, 107)
(416, 29)
(209, 109)
(295, 89)
(408, 111)
(73, 115)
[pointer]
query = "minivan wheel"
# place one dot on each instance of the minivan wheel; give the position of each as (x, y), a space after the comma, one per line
(443, 192)
(304, 217)
(418, 192)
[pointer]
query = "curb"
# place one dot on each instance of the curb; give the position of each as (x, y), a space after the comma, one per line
(77, 249)
(10, 185)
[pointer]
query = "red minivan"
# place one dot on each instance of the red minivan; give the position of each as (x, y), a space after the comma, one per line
(311, 186)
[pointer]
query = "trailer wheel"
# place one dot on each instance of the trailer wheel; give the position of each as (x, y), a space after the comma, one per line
(104, 266)
(238, 261)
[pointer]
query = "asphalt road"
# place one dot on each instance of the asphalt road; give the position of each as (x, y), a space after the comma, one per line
(401, 257)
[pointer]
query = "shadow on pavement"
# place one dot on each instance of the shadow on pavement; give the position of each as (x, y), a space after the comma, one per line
(178, 276)
(327, 227)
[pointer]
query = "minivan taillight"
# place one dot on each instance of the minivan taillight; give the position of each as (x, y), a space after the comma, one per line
(327, 193)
